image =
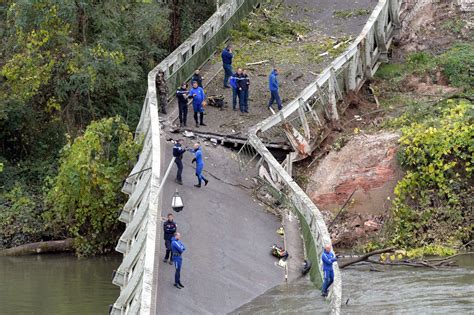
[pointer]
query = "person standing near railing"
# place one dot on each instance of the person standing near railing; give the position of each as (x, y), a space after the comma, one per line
(328, 259)
(274, 87)
(169, 228)
(197, 77)
(162, 91)
(177, 249)
(178, 152)
(198, 96)
(227, 56)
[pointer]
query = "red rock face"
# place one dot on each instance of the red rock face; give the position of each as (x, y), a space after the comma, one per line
(366, 164)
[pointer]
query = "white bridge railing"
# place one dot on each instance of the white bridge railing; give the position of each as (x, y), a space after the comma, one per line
(137, 274)
(304, 122)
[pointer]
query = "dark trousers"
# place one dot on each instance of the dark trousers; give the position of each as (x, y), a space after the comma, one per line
(235, 94)
(328, 279)
(178, 261)
(275, 97)
(168, 249)
(183, 113)
(163, 102)
(227, 73)
(243, 104)
(201, 117)
(179, 164)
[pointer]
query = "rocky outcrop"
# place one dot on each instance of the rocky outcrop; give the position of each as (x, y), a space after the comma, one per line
(366, 164)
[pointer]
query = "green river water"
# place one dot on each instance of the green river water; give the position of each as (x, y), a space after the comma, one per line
(63, 284)
(57, 284)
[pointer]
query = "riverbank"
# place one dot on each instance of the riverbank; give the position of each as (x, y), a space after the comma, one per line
(426, 82)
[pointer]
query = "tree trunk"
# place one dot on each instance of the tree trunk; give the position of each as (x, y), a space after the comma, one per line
(364, 257)
(175, 25)
(66, 245)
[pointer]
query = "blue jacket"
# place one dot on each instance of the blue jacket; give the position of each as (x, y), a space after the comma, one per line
(198, 156)
(198, 99)
(328, 259)
(227, 57)
(233, 81)
(273, 81)
(177, 248)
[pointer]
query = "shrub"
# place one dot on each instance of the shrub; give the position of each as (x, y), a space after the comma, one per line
(432, 204)
(85, 197)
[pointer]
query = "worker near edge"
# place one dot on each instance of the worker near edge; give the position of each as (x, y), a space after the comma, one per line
(178, 152)
(274, 87)
(177, 249)
(244, 84)
(227, 56)
(328, 259)
(169, 228)
(198, 96)
(199, 165)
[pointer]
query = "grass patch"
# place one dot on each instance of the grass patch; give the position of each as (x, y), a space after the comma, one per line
(345, 14)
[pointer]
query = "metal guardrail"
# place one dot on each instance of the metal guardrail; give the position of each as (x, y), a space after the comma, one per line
(302, 121)
(137, 274)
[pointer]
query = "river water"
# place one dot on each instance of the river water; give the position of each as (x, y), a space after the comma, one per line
(57, 284)
(395, 290)
(63, 284)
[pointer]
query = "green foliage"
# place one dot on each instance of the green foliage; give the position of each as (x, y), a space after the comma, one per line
(345, 14)
(458, 65)
(454, 24)
(432, 200)
(86, 195)
(430, 250)
(19, 220)
(267, 24)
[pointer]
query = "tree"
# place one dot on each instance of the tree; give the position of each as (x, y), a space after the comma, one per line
(85, 198)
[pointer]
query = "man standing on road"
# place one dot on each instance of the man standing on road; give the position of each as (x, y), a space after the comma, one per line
(178, 152)
(182, 96)
(169, 228)
(328, 259)
(273, 85)
(197, 77)
(244, 84)
(227, 56)
(234, 83)
(198, 96)
(162, 91)
(177, 249)
(199, 165)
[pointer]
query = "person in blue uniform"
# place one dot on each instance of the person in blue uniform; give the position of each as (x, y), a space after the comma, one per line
(244, 84)
(227, 56)
(177, 249)
(169, 228)
(234, 84)
(328, 259)
(182, 96)
(197, 77)
(198, 96)
(178, 152)
(199, 165)
(274, 87)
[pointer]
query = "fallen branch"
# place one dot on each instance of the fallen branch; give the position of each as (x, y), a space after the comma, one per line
(40, 248)
(342, 208)
(366, 256)
(257, 63)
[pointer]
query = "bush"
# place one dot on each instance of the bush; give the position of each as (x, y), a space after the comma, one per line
(432, 200)
(85, 197)
(458, 65)
(19, 221)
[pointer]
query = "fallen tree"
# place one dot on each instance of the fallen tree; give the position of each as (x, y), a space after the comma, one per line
(66, 245)
(434, 263)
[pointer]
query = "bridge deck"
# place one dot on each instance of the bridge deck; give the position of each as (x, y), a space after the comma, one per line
(320, 17)
(228, 236)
